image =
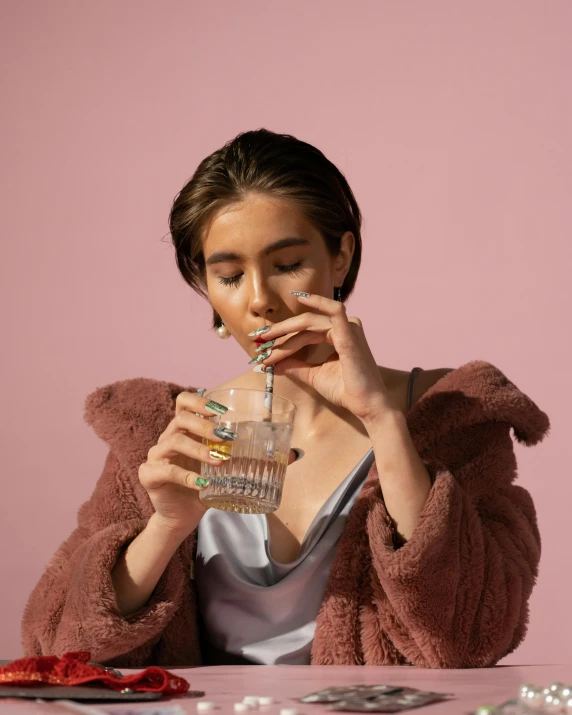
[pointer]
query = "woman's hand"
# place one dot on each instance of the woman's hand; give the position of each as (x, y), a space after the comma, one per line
(350, 377)
(173, 465)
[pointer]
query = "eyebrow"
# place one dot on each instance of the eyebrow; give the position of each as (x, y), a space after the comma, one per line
(222, 256)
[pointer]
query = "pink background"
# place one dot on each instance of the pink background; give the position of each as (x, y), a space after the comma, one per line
(452, 124)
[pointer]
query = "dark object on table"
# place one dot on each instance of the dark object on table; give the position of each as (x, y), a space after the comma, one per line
(373, 698)
(337, 693)
(390, 703)
(76, 692)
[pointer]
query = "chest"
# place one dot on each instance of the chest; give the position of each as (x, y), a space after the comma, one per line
(308, 485)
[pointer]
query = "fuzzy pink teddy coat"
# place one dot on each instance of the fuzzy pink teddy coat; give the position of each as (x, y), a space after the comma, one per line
(454, 596)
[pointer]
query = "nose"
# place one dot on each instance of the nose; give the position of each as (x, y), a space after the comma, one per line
(263, 301)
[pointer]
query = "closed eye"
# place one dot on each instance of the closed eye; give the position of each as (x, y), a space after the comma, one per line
(290, 269)
(231, 280)
(235, 280)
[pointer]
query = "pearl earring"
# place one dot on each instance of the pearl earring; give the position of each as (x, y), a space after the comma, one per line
(223, 332)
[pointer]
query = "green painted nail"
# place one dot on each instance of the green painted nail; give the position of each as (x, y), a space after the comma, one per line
(259, 331)
(225, 433)
(201, 482)
(260, 358)
(300, 293)
(269, 344)
(216, 408)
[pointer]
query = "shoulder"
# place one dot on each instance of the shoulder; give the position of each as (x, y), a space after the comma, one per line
(398, 382)
(424, 380)
(475, 393)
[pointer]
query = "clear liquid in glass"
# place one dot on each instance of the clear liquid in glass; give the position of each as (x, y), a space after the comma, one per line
(251, 480)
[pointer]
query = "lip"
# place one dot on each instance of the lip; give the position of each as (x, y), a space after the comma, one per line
(259, 339)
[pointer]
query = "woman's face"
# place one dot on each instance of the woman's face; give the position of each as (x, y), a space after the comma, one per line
(255, 253)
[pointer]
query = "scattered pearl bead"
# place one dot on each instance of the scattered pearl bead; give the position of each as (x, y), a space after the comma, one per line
(241, 707)
(289, 711)
(534, 698)
(266, 700)
(554, 706)
(555, 698)
(486, 710)
(251, 700)
(205, 705)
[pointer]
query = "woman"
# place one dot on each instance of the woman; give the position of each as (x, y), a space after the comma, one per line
(400, 539)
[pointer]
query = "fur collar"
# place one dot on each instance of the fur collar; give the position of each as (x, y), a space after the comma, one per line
(131, 414)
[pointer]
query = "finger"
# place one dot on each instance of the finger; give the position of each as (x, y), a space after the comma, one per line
(296, 368)
(293, 344)
(207, 429)
(181, 444)
(297, 323)
(336, 311)
(193, 402)
(153, 476)
(273, 343)
(191, 424)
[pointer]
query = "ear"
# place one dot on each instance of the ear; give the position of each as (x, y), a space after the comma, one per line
(343, 260)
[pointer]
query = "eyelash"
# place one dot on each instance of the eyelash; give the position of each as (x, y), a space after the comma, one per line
(234, 280)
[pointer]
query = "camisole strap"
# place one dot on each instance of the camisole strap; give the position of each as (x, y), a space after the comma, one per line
(410, 386)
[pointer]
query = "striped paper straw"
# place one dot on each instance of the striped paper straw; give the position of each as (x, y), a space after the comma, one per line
(268, 406)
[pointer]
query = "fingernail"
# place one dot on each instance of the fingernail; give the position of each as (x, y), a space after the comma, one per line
(225, 433)
(216, 408)
(259, 368)
(300, 293)
(269, 344)
(221, 456)
(259, 331)
(260, 358)
(201, 482)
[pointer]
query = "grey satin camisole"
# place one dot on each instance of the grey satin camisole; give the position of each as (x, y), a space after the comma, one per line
(254, 609)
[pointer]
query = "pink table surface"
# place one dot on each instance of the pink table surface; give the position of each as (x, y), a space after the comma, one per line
(226, 685)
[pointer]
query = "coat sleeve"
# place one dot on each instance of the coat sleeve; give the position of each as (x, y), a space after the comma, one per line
(456, 594)
(73, 606)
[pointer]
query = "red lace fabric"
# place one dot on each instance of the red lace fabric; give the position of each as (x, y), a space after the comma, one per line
(73, 669)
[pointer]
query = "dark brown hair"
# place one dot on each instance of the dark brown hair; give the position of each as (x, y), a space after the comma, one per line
(278, 165)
